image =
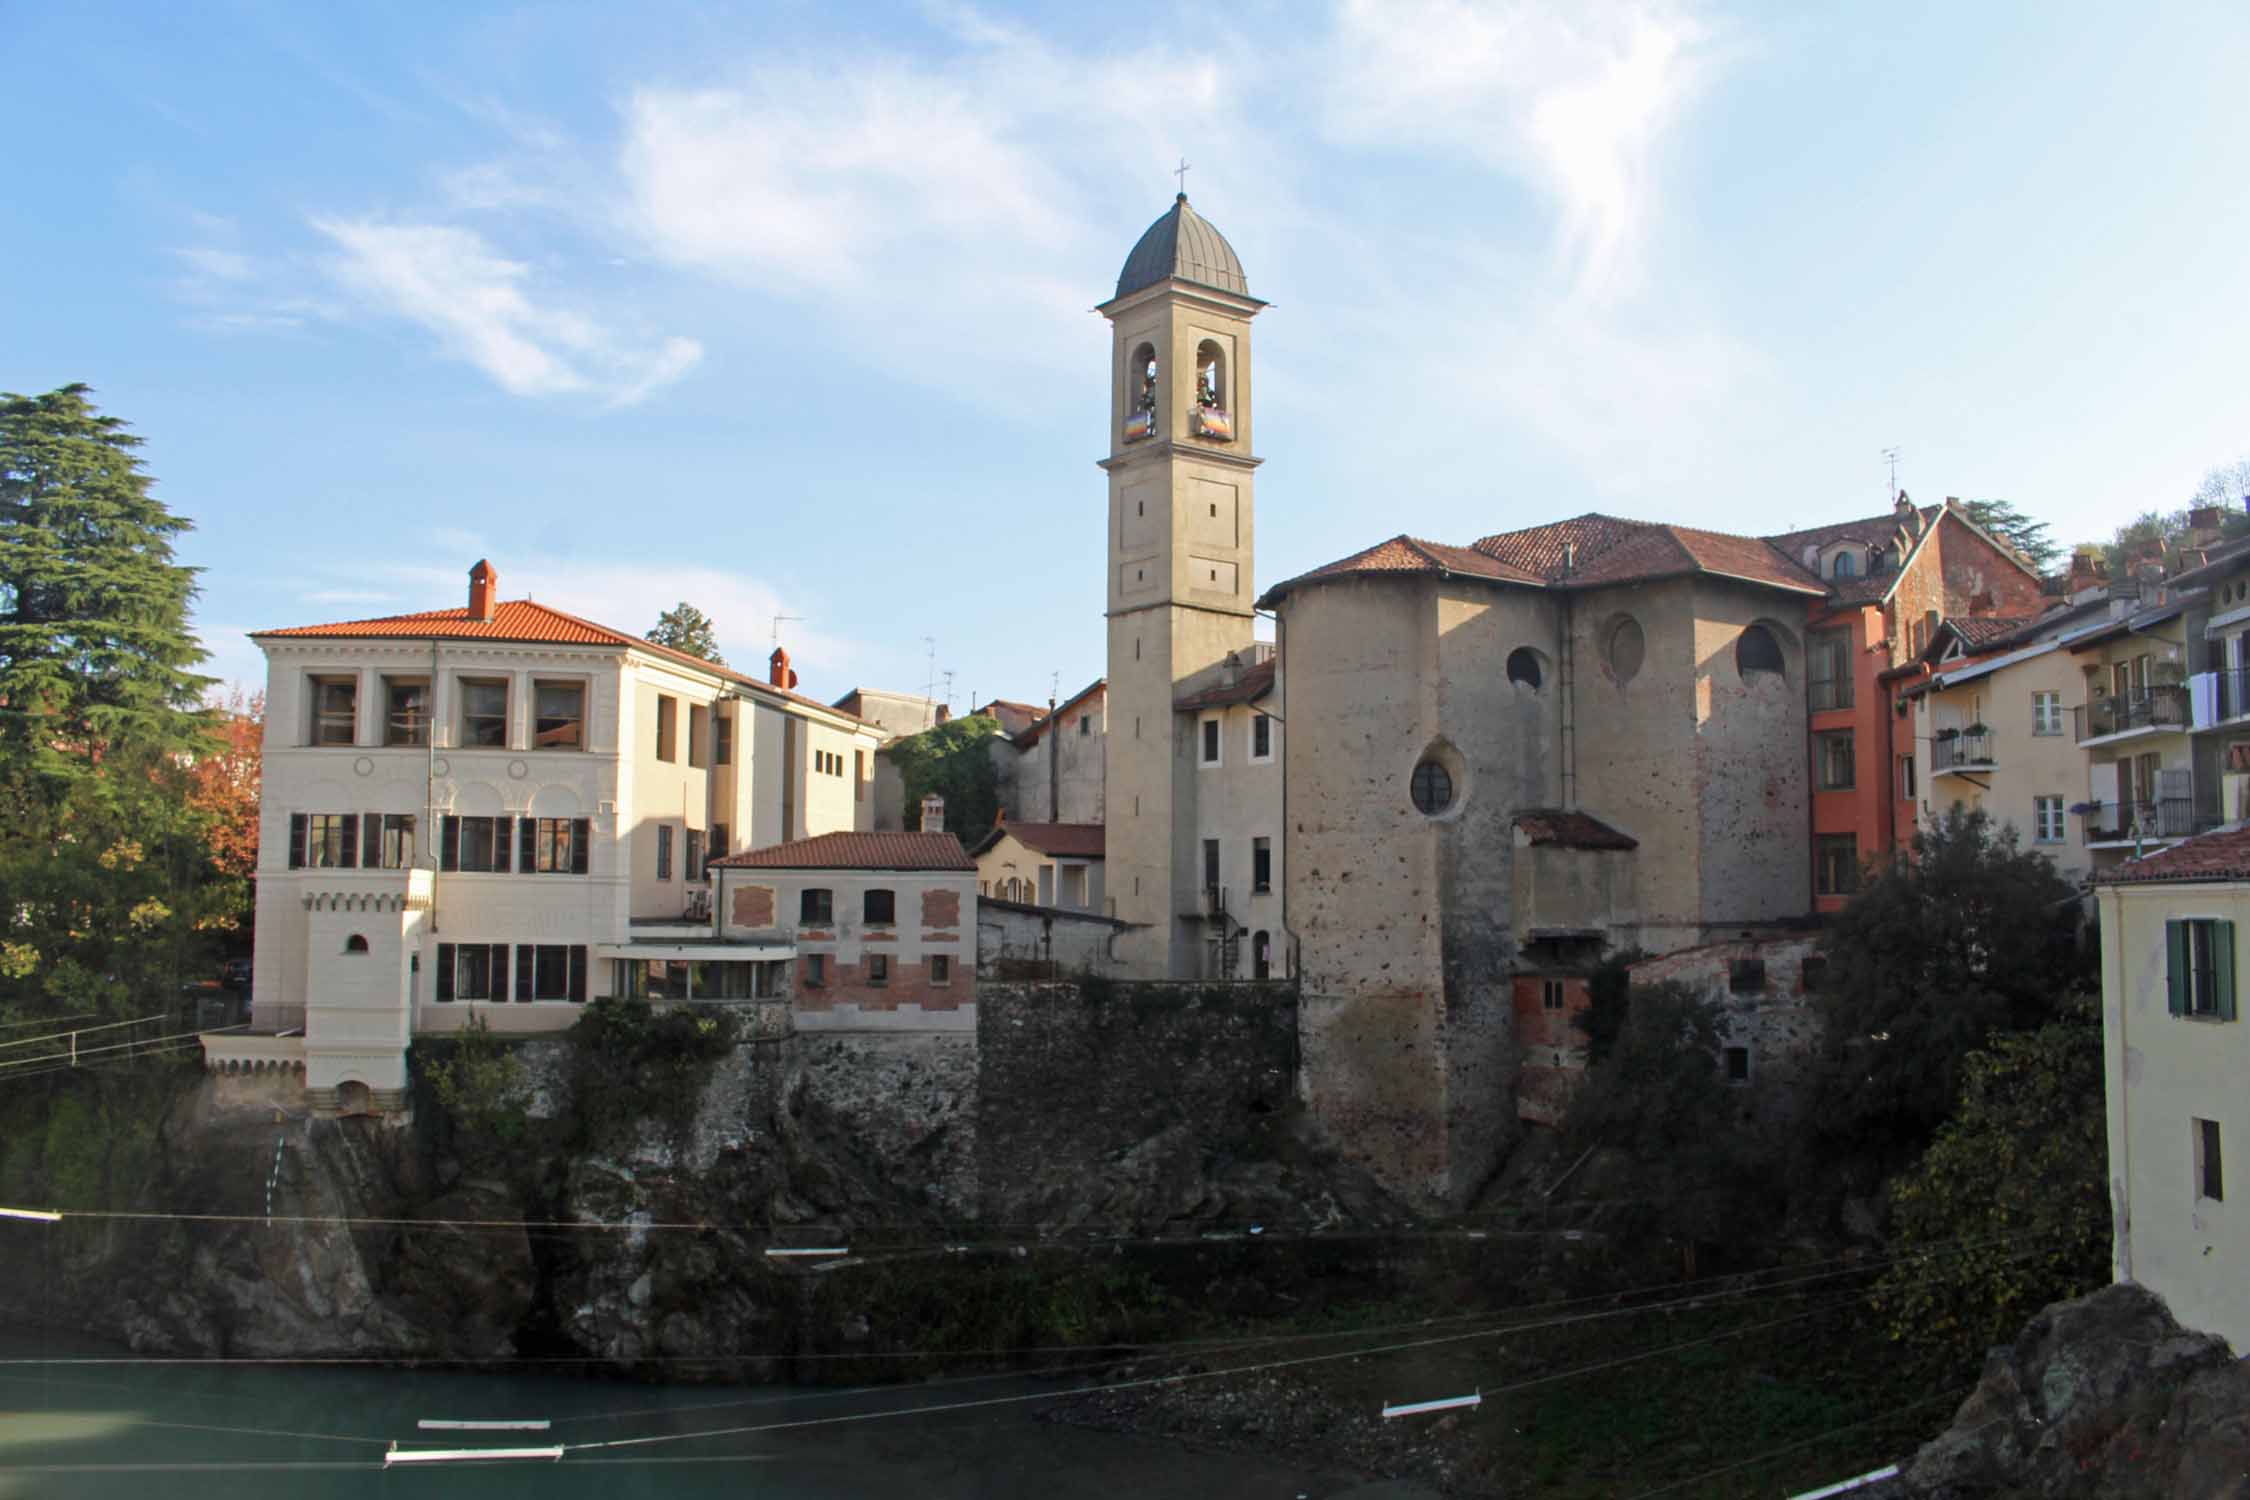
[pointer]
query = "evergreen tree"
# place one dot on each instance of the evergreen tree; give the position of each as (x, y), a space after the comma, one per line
(2020, 531)
(107, 894)
(686, 628)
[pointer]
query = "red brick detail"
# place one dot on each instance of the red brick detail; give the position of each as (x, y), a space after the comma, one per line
(941, 909)
(753, 906)
(908, 984)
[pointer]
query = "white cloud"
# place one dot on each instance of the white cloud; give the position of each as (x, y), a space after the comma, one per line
(478, 303)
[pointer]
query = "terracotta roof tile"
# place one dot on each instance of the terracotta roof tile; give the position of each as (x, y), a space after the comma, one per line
(1255, 682)
(1978, 632)
(2224, 855)
(1571, 830)
(1594, 550)
(1063, 840)
(1872, 531)
(857, 851)
(524, 621)
(1407, 554)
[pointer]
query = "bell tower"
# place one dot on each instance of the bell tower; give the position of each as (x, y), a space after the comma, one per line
(1180, 577)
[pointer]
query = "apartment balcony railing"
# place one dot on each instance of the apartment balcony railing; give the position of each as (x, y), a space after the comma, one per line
(2159, 818)
(1820, 697)
(2163, 707)
(1962, 752)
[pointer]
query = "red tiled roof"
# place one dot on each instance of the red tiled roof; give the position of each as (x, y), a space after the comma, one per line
(857, 851)
(2224, 855)
(1062, 840)
(1980, 631)
(1601, 550)
(524, 621)
(1571, 830)
(1254, 683)
(1407, 554)
(1872, 531)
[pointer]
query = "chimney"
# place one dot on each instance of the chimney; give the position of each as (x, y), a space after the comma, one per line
(777, 669)
(484, 591)
(933, 813)
(944, 713)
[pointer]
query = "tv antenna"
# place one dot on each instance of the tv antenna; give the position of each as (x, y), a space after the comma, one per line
(1890, 456)
(779, 621)
(948, 687)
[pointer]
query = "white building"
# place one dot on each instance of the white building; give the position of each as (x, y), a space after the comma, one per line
(2178, 1076)
(575, 778)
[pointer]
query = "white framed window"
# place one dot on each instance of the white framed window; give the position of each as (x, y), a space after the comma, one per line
(1211, 736)
(2047, 820)
(1261, 738)
(335, 716)
(2046, 713)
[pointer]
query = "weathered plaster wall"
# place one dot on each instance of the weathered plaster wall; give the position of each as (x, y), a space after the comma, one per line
(1779, 1024)
(1015, 934)
(1750, 760)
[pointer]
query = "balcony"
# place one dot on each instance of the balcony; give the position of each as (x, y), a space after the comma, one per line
(1208, 903)
(2156, 821)
(1963, 752)
(2231, 694)
(2155, 710)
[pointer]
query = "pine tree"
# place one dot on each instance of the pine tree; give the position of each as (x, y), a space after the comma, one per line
(107, 891)
(686, 628)
(2018, 530)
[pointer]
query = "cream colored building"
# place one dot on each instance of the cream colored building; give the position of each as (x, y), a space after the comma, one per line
(2137, 730)
(1043, 864)
(498, 811)
(2178, 1070)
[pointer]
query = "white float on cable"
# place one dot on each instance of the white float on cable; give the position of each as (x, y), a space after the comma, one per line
(442, 1424)
(1416, 1408)
(397, 1455)
(39, 1215)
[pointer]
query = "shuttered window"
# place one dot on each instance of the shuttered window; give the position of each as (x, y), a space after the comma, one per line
(2199, 968)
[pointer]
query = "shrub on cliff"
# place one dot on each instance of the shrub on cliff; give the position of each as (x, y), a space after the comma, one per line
(631, 1062)
(482, 1084)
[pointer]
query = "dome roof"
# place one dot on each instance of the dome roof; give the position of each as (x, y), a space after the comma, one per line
(1183, 244)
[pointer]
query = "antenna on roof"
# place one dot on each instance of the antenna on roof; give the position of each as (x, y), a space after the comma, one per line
(779, 620)
(1890, 455)
(929, 683)
(949, 687)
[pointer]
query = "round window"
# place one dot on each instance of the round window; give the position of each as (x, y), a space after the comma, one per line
(1523, 667)
(1431, 788)
(1756, 650)
(1626, 649)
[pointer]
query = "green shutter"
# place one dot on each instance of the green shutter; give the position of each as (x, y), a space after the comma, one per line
(2176, 966)
(2222, 960)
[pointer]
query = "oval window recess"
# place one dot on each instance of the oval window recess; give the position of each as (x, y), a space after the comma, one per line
(1523, 667)
(1626, 649)
(1431, 788)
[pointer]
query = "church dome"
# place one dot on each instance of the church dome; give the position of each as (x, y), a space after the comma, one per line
(1183, 244)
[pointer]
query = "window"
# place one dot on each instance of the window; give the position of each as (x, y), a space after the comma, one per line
(1261, 864)
(1906, 777)
(695, 854)
(1828, 670)
(1757, 651)
(335, 711)
(722, 739)
(1832, 753)
(1835, 864)
(484, 713)
(663, 851)
(406, 711)
(472, 971)
(1210, 742)
(388, 843)
(551, 971)
(1523, 667)
(1211, 864)
(667, 727)
(556, 846)
(1738, 1058)
(1550, 994)
(324, 841)
(2046, 713)
(1814, 971)
(816, 907)
(2047, 820)
(1625, 649)
(1431, 788)
(941, 969)
(474, 844)
(1261, 737)
(878, 969)
(2199, 968)
(719, 832)
(1261, 955)
(558, 716)
(1085, 725)
(355, 944)
(1844, 565)
(698, 731)
(2210, 1172)
(879, 908)
(816, 968)
(1747, 976)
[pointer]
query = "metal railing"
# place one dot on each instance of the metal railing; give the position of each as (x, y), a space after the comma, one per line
(1961, 751)
(2158, 818)
(2164, 707)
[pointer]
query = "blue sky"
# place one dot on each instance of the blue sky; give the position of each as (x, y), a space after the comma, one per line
(785, 308)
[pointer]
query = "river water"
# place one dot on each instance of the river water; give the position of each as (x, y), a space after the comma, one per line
(80, 1420)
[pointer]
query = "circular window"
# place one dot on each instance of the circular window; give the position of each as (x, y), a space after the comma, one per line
(1523, 667)
(1757, 650)
(1431, 788)
(1625, 649)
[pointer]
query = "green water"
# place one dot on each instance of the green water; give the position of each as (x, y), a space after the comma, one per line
(119, 1427)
